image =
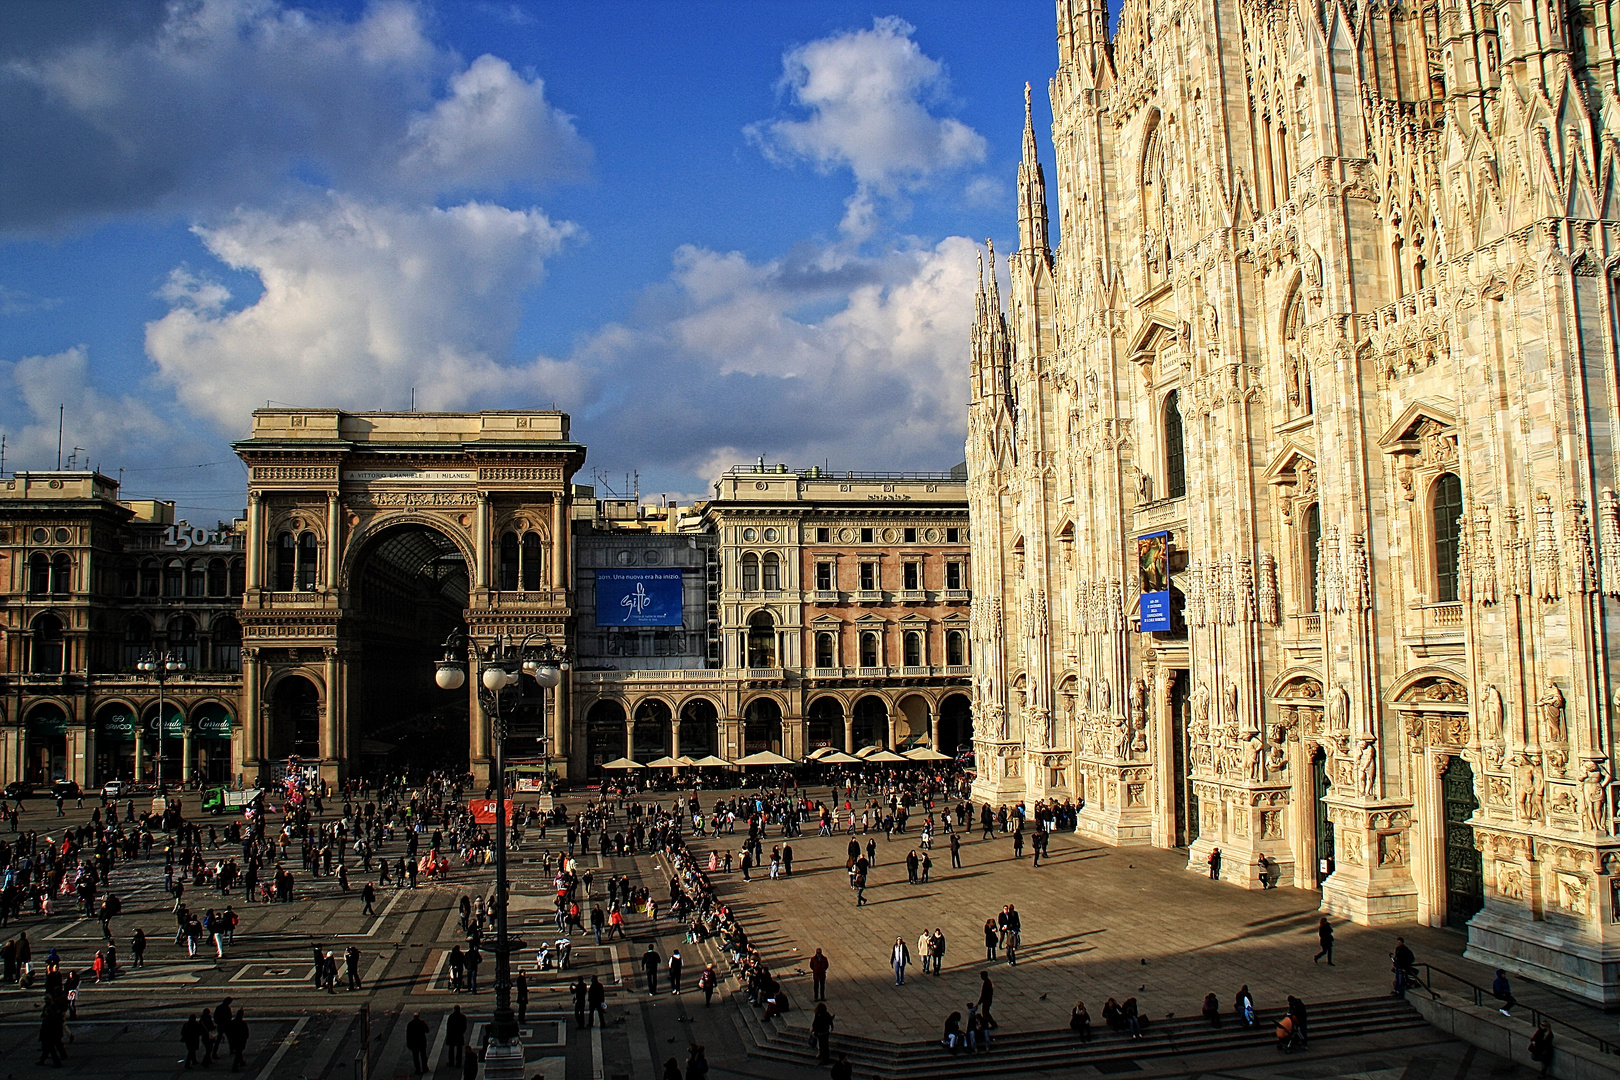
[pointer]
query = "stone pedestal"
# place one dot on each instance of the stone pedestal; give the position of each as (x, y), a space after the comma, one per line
(1119, 802)
(503, 1060)
(1000, 767)
(1549, 911)
(1372, 879)
(1244, 822)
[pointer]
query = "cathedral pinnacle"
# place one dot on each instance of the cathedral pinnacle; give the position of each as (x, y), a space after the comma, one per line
(1031, 191)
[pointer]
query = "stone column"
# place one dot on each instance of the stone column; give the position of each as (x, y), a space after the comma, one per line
(933, 730)
(331, 747)
(334, 529)
(562, 708)
(849, 733)
(477, 729)
(675, 737)
(481, 542)
(560, 570)
(254, 543)
(247, 743)
(140, 765)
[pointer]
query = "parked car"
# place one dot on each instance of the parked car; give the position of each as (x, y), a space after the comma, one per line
(64, 789)
(113, 788)
(19, 789)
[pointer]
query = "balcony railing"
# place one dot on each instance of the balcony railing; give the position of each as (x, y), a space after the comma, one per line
(827, 596)
(1307, 625)
(961, 595)
(871, 672)
(913, 595)
(1447, 616)
(869, 596)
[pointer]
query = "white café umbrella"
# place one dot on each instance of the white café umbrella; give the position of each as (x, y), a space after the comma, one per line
(667, 762)
(765, 757)
(888, 757)
(709, 761)
(623, 763)
(838, 757)
(926, 753)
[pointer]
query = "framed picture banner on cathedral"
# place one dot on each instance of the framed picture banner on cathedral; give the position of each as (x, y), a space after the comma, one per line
(1153, 569)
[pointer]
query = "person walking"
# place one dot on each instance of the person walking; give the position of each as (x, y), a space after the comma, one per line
(236, 1037)
(1401, 961)
(1541, 1047)
(987, 998)
(51, 1025)
(956, 850)
(369, 895)
(351, 964)
(596, 995)
(911, 867)
(925, 953)
(455, 1035)
(137, 948)
(936, 949)
(821, 1025)
(523, 997)
(818, 977)
(416, 1036)
(675, 971)
(1501, 991)
(191, 1033)
(1324, 934)
(899, 957)
(579, 992)
(706, 983)
(649, 968)
(1214, 861)
(991, 939)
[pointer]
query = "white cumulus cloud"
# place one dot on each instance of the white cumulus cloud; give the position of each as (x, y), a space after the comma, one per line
(361, 302)
(212, 104)
(869, 95)
(106, 425)
(819, 355)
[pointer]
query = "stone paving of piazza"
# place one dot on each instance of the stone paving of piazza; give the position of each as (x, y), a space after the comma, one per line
(1091, 915)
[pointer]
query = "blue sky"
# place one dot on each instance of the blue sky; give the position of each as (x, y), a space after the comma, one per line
(708, 230)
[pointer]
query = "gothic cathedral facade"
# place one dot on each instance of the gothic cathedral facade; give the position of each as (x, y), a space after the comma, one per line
(1321, 385)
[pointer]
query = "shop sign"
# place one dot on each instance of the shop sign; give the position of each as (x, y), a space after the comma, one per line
(121, 725)
(214, 726)
(48, 722)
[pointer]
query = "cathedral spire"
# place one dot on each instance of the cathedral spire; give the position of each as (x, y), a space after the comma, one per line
(1082, 32)
(1031, 192)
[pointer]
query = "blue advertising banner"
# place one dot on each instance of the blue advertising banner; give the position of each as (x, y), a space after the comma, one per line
(1153, 566)
(638, 598)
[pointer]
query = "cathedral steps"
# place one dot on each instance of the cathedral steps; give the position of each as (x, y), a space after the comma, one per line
(1027, 1051)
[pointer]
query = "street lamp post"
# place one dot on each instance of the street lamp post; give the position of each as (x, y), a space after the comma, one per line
(500, 666)
(160, 666)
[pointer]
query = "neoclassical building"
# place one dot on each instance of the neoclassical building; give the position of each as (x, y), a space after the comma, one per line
(820, 609)
(1292, 470)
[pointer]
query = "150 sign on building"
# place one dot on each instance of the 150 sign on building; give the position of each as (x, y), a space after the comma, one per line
(638, 598)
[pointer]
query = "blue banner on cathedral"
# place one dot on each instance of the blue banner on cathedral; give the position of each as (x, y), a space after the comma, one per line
(1153, 566)
(638, 598)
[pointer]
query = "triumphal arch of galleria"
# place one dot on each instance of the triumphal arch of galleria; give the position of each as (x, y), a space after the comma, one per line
(371, 537)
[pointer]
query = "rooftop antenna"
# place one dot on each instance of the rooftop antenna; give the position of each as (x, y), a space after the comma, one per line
(413, 399)
(61, 414)
(73, 458)
(2, 455)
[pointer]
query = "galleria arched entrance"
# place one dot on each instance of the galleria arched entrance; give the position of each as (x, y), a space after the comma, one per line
(372, 536)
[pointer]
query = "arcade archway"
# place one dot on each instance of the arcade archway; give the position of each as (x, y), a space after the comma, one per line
(295, 719)
(824, 723)
(955, 725)
(652, 730)
(409, 590)
(871, 722)
(700, 728)
(604, 735)
(762, 726)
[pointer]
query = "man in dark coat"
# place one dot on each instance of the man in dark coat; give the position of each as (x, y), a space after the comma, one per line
(416, 1036)
(455, 1034)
